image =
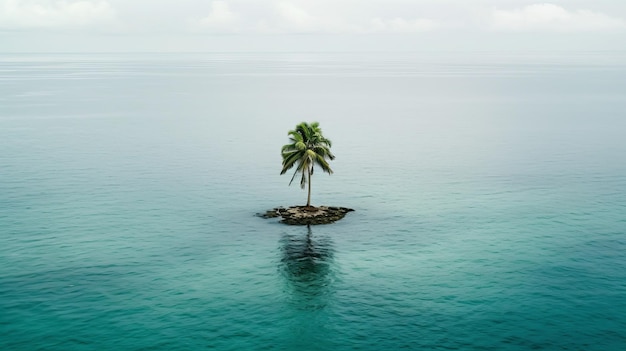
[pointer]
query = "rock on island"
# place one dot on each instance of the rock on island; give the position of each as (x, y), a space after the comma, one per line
(304, 215)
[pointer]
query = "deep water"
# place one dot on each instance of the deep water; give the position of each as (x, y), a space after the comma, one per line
(489, 188)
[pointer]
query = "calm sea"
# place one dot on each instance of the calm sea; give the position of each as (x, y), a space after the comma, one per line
(489, 188)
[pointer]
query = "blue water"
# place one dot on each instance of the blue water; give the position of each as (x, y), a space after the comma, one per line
(489, 188)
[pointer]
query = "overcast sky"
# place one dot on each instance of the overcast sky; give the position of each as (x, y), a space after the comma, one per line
(288, 25)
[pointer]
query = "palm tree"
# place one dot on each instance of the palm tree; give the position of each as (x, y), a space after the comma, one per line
(307, 149)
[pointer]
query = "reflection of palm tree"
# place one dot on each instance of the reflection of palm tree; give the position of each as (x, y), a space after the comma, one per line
(307, 265)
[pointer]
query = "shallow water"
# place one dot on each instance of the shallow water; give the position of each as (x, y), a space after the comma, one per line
(490, 197)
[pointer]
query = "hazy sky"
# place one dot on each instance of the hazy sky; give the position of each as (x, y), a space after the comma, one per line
(287, 25)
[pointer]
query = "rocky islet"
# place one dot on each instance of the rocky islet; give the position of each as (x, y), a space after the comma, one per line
(307, 215)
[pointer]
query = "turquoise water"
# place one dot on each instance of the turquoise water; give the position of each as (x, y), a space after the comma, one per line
(490, 197)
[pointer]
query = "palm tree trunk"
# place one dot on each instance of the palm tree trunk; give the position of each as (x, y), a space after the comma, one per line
(308, 201)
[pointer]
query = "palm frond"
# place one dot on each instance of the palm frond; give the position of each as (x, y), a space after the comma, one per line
(289, 160)
(294, 175)
(321, 161)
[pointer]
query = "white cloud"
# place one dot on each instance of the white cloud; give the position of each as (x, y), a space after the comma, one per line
(16, 14)
(401, 25)
(332, 17)
(291, 18)
(220, 19)
(550, 17)
(296, 17)
(374, 16)
(312, 17)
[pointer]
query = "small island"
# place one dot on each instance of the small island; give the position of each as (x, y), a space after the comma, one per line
(307, 215)
(307, 148)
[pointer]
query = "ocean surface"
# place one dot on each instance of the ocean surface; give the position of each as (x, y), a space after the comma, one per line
(489, 189)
